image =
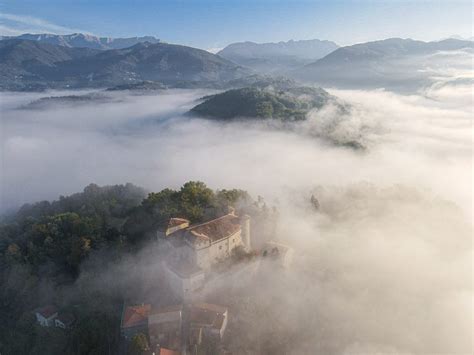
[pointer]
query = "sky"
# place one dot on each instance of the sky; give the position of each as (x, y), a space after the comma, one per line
(214, 24)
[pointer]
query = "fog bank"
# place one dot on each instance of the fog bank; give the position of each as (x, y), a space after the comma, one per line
(385, 266)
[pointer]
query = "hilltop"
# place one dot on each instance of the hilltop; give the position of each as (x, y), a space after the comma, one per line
(266, 103)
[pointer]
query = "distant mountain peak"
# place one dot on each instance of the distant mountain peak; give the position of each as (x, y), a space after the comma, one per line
(84, 40)
(277, 56)
(36, 65)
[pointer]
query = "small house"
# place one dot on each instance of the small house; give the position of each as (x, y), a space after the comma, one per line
(46, 315)
(134, 320)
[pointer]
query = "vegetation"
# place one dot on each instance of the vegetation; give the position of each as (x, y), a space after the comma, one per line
(141, 86)
(42, 66)
(45, 246)
(290, 104)
(138, 344)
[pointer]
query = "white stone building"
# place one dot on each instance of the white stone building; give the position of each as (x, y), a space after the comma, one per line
(194, 249)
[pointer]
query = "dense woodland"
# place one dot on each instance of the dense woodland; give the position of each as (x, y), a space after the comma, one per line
(292, 104)
(44, 247)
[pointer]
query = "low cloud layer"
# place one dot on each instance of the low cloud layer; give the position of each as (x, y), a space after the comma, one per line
(383, 267)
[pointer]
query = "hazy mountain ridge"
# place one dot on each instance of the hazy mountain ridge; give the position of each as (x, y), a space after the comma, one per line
(394, 63)
(398, 64)
(25, 65)
(270, 57)
(81, 40)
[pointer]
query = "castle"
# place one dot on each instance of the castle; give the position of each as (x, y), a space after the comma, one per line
(196, 248)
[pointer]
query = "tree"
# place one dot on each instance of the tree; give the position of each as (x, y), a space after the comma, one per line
(138, 344)
(264, 109)
(195, 198)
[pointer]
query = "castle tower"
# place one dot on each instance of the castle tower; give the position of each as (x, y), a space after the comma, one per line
(245, 225)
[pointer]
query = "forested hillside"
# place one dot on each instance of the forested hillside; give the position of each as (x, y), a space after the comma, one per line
(49, 251)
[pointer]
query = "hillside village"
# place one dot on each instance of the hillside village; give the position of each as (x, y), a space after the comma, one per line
(196, 254)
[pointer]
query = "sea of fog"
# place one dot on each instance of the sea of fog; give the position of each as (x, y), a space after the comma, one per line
(384, 267)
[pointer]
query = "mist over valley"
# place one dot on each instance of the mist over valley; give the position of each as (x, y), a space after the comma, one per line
(338, 179)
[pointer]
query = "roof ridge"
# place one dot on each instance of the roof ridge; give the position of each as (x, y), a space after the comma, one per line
(212, 220)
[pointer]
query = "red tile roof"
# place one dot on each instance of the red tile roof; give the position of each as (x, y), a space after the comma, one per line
(216, 229)
(47, 311)
(164, 351)
(174, 308)
(135, 315)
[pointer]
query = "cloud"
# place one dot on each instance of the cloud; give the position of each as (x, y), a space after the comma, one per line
(384, 267)
(13, 25)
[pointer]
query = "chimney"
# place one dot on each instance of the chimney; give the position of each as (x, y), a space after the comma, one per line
(231, 210)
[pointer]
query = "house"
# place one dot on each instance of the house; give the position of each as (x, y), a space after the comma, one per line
(46, 315)
(164, 351)
(64, 320)
(134, 320)
(185, 326)
(165, 326)
(211, 318)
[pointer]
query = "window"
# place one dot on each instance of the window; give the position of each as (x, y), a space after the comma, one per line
(220, 247)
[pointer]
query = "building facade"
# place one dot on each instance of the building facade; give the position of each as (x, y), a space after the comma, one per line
(194, 249)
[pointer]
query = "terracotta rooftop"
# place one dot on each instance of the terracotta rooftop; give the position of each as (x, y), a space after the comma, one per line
(216, 229)
(167, 309)
(135, 315)
(47, 311)
(164, 351)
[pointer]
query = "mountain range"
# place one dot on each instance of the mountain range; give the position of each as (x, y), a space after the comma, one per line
(393, 63)
(34, 65)
(80, 40)
(273, 57)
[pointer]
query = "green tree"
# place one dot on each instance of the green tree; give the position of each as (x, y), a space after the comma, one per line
(138, 344)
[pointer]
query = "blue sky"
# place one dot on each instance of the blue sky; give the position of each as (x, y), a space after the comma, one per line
(213, 24)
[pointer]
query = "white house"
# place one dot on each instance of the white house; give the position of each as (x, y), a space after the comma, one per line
(46, 315)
